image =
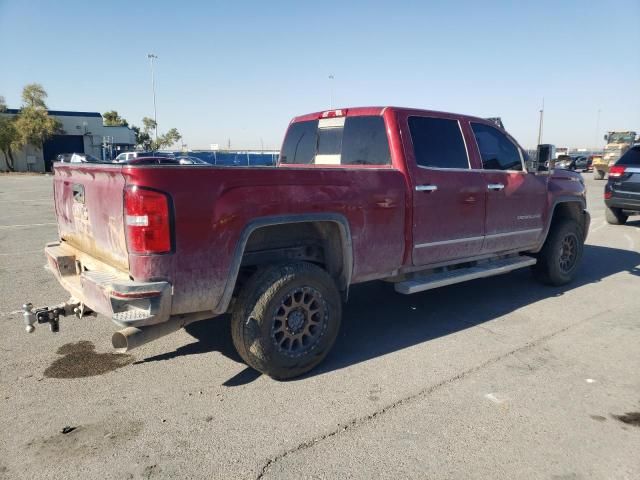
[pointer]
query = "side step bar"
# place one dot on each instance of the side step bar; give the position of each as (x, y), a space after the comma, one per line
(441, 279)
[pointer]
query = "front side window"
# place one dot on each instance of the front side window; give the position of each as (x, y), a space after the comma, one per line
(438, 143)
(496, 150)
(358, 140)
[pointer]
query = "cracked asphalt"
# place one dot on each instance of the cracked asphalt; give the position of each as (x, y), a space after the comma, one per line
(499, 377)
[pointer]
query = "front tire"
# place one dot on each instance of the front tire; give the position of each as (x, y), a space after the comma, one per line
(614, 216)
(560, 256)
(286, 319)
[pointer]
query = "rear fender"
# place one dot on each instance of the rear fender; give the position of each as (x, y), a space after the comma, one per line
(345, 237)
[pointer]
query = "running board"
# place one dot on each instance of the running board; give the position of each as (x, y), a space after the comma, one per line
(441, 279)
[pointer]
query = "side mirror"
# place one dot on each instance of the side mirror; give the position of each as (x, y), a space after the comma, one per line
(546, 154)
(606, 137)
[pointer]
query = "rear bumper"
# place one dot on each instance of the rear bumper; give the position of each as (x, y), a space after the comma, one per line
(625, 201)
(108, 291)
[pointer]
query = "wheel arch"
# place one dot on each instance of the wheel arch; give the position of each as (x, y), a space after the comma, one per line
(566, 207)
(330, 227)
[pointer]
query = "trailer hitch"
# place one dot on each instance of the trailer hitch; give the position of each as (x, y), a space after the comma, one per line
(51, 315)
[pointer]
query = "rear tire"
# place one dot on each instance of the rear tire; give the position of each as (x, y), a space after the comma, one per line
(598, 174)
(286, 319)
(614, 216)
(561, 254)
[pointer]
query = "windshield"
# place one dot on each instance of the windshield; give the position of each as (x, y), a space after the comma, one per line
(626, 137)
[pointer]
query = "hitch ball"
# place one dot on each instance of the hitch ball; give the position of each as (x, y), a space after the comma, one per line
(29, 317)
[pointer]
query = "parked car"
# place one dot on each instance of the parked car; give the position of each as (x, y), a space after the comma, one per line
(585, 164)
(622, 191)
(352, 199)
(76, 158)
(190, 160)
(124, 157)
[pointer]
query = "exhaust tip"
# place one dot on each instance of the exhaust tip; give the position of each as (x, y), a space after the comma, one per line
(120, 340)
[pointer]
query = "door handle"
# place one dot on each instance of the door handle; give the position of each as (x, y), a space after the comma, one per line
(495, 186)
(426, 188)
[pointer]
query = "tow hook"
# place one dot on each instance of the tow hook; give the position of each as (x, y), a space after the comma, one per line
(51, 315)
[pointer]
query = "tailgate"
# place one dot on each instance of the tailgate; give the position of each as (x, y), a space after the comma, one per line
(89, 210)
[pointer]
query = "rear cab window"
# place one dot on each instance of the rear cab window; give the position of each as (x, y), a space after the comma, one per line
(337, 141)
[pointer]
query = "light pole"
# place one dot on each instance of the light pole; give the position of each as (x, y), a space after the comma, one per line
(330, 91)
(541, 120)
(151, 58)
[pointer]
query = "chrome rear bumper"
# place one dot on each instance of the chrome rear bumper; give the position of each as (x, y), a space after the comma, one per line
(107, 291)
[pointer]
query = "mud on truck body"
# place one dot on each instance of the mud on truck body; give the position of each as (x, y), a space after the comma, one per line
(418, 198)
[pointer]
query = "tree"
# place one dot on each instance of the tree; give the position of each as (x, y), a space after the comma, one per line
(169, 138)
(144, 138)
(33, 124)
(33, 95)
(8, 135)
(148, 124)
(113, 119)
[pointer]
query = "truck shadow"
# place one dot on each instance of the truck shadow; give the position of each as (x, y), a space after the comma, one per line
(374, 328)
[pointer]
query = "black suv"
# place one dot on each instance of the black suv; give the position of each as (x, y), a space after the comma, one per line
(622, 192)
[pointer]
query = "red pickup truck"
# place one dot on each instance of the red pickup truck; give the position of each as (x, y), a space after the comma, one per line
(419, 198)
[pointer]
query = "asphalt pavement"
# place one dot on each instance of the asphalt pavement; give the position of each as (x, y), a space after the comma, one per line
(497, 378)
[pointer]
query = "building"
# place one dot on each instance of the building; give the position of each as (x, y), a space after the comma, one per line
(83, 132)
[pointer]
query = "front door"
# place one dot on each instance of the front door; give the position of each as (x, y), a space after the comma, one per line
(516, 199)
(448, 196)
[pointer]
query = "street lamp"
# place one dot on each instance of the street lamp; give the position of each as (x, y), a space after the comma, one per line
(151, 58)
(541, 120)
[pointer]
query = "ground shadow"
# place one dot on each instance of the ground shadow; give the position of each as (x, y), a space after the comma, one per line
(378, 321)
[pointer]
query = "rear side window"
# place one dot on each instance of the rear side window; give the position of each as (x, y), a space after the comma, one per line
(365, 142)
(631, 157)
(300, 143)
(496, 150)
(358, 140)
(438, 142)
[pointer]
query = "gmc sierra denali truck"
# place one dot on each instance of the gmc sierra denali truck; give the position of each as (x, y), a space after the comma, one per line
(419, 198)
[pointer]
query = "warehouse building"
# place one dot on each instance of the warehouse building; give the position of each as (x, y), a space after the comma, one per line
(83, 132)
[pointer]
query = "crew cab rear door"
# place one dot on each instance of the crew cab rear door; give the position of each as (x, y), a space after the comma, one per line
(448, 195)
(515, 199)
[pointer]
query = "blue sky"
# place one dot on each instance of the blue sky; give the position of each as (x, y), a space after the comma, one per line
(241, 69)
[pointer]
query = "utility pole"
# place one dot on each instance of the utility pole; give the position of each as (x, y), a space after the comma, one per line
(330, 91)
(541, 121)
(151, 58)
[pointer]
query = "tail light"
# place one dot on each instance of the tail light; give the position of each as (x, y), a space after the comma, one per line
(616, 171)
(608, 194)
(147, 220)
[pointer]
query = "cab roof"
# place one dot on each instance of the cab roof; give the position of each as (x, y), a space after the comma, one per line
(360, 111)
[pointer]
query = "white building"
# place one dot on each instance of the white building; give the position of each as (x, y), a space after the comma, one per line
(84, 132)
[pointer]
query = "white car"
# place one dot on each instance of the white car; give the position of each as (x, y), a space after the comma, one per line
(126, 156)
